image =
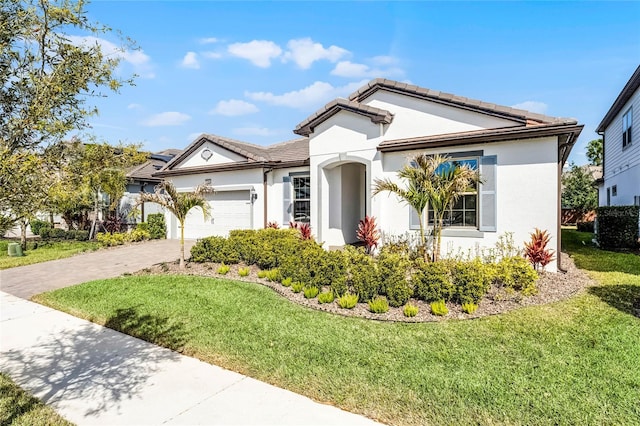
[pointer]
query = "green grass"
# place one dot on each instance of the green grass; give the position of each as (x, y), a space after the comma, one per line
(18, 408)
(44, 252)
(572, 362)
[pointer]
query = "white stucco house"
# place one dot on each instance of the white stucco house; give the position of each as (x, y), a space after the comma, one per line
(326, 176)
(620, 131)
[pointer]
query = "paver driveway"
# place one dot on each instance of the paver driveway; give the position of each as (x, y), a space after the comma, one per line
(27, 281)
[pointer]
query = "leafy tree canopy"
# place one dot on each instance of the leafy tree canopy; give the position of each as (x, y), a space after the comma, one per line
(595, 152)
(578, 191)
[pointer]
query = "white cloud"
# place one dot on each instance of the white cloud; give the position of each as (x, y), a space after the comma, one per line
(308, 97)
(354, 70)
(384, 60)
(134, 106)
(137, 58)
(254, 131)
(532, 106)
(234, 108)
(170, 118)
(259, 52)
(208, 40)
(211, 55)
(190, 60)
(304, 52)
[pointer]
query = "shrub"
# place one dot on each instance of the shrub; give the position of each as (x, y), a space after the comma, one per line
(536, 249)
(469, 308)
(379, 305)
(262, 274)
(38, 225)
(244, 271)
(585, 226)
(273, 275)
(433, 281)
(472, 281)
(311, 292)
(138, 235)
(305, 231)
(439, 308)
(325, 297)
(143, 226)
(223, 269)
(214, 249)
(70, 234)
(368, 233)
(363, 274)
(297, 287)
(82, 235)
(410, 310)
(44, 233)
(287, 282)
(348, 301)
(517, 274)
(618, 226)
(392, 270)
(157, 226)
(273, 225)
(109, 240)
(57, 233)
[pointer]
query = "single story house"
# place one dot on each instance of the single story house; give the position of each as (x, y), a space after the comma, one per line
(326, 176)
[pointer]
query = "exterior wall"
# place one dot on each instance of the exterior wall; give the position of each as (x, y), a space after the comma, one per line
(622, 165)
(275, 195)
(219, 156)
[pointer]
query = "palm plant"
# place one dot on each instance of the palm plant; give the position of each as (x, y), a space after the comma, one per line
(179, 203)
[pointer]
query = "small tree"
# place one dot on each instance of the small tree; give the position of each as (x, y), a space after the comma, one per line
(578, 190)
(179, 203)
(595, 152)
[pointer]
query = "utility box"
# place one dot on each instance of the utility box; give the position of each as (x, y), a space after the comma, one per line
(14, 250)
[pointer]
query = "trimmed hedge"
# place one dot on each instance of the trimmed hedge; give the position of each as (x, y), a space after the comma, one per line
(618, 227)
(157, 226)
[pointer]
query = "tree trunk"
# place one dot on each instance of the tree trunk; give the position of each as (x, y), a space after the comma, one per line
(23, 234)
(423, 242)
(92, 233)
(182, 245)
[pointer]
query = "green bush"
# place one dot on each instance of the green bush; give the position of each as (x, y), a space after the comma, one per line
(57, 233)
(433, 281)
(392, 271)
(410, 310)
(70, 234)
(109, 240)
(82, 235)
(244, 272)
(469, 308)
(362, 271)
(439, 308)
(38, 225)
(297, 287)
(273, 275)
(618, 227)
(325, 297)
(157, 226)
(348, 301)
(472, 280)
(379, 305)
(516, 273)
(262, 274)
(138, 235)
(311, 292)
(585, 226)
(224, 269)
(143, 226)
(44, 233)
(287, 282)
(214, 249)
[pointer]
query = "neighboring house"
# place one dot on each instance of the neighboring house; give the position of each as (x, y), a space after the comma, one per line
(140, 179)
(326, 178)
(620, 130)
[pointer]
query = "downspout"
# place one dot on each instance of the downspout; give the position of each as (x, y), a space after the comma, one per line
(264, 193)
(562, 148)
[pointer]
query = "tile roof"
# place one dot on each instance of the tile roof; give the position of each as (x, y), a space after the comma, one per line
(154, 163)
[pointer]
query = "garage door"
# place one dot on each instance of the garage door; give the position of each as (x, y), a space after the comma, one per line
(229, 210)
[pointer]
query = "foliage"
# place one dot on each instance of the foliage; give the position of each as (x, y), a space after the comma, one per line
(305, 231)
(472, 280)
(595, 152)
(410, 310)
(586, 226)
(139, 235)
(516, 273)
(326, 297)
(433, 281)
(214, 249)
(262, 274)
(273, 225)
(392, 270)
(379, 305)
(311, 292)
(287, 282)
(157, 226)
(297, 287)
(273, 275)
(618, 227)
(439, 308)
(578, 189)
(244, 271)
(536, 250)
(180, 204)
(36, 225)
(223, 269)
(348, 301)
(120, 238)
(469, 308)
(363, 273)
(368, 233)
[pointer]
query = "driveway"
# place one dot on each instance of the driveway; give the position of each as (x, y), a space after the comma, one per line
(27, 281)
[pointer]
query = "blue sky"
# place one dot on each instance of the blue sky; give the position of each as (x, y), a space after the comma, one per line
(254, 70)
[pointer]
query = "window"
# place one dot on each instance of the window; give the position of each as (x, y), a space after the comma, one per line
(614, 191)
(301, 198)
(627, 122)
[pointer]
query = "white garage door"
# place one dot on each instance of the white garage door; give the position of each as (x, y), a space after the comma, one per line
(229, 210)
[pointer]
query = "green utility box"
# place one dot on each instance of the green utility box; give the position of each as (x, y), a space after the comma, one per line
(14, 249)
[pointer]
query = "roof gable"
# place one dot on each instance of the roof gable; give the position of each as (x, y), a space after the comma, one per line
(376, 115)
(627, 92)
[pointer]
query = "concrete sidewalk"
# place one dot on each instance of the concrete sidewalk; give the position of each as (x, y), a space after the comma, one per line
(27, 281)
(94, 375)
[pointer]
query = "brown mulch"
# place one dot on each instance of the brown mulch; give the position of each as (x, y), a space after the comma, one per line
(552, 287)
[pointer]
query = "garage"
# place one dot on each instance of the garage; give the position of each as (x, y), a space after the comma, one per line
(229, 210)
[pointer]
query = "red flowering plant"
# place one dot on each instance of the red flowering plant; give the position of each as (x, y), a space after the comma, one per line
(368, 233)
(273, 225)
(536, 250)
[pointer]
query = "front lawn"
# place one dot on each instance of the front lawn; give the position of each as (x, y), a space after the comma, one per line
(572, 362)
(17, 407)
(45, 251)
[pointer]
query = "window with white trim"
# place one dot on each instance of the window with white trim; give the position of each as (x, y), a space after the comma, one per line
(627, 124)
(301, 198)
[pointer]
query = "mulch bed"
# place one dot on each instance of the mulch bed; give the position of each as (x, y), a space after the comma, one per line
(552, 287)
